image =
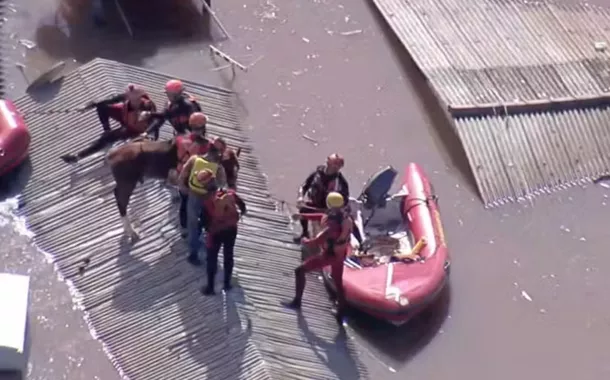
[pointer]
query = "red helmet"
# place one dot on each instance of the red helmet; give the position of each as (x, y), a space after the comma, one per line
(335, 160)
(174, 86)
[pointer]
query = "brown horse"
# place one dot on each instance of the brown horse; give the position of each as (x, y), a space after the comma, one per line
(142, 158)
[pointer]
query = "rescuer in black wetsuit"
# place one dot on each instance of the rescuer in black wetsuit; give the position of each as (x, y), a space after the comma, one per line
(177, 111)
(127, 109)
(325, 179)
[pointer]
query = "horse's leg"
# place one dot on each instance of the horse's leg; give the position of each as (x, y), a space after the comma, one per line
(122, 194)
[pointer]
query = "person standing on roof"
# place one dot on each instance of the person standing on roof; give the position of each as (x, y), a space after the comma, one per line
(333, 243)
(200, 177)
(325, 179)
(127, 109)
(179, 108)
(222, 232)
(195, 143)
(229, 161)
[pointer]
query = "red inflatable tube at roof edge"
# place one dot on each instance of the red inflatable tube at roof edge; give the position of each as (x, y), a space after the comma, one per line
(14, 137)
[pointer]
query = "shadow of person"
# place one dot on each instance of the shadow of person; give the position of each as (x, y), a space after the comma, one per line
(335, 354)
(401, 344)
(217, 330)
(13, 183)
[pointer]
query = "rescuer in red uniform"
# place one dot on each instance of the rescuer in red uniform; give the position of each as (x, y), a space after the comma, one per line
(128, 110)
(195, 143)
(333, 242)
(223, 214)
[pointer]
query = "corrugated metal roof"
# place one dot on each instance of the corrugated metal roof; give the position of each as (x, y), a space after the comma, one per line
(491, 51)
(144, 303)
(525, 155)
(533, 61)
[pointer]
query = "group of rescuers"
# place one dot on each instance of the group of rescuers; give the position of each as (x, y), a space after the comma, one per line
(206, 174)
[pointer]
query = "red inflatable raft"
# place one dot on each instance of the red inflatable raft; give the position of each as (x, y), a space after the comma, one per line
(14, 137)
(404, 263)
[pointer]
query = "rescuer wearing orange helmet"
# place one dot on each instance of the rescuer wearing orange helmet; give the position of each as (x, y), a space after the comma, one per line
(128, 109)
(180, 106)
(200, 177)
(194, 143)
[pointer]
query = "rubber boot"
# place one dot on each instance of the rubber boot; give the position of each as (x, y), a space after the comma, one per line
(299, 276)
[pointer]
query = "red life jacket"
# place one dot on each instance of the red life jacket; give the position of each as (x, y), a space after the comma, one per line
(130, 116)
(339, 225)
(223, 211)
(187, 147)
(320, 187)
(181, 121)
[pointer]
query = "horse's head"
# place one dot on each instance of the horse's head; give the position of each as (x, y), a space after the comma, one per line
(230, 162)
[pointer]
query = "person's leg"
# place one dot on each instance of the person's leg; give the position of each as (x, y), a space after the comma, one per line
(313, 263)
(309, 208)
(106, 112)
(182, 211)
(229, 238)
(337, 268)
(215, 242)
(194, 232)
(107, 138)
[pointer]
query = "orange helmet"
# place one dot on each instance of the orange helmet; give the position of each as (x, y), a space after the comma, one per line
(335, 160)
(198, 120)
(174, 86)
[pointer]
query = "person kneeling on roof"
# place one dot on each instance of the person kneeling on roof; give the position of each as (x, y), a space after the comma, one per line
(201, 176)
(333, 242)
(195, 143)
(179, 108)
(222, 211)
(325, 179)
(127, 109)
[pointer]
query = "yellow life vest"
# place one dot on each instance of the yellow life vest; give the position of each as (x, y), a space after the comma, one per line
(199, 165)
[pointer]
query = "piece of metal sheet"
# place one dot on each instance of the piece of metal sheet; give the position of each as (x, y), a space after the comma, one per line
(143, 301)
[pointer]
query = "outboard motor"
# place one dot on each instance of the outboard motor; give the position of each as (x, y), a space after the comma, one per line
(376, 189)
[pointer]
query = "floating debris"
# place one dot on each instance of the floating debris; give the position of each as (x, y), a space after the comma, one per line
(564, 228)
(600, 46)
(306, 137)
(582, 239)
(526, 296)
(306, 40)
(351, 32)
(27, 43)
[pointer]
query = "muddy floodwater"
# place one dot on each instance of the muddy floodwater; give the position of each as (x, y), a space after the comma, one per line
(528, 295)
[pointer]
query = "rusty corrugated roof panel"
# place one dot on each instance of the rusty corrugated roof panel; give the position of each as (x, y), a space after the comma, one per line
(522, 156)
(143, 302)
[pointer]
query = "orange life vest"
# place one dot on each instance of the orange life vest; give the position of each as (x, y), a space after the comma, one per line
(223, 211)
(340, 226)
(130, 117)
(187, 147)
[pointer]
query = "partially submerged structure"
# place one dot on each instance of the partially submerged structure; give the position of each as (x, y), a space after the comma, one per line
(526, 84)
(143, 301)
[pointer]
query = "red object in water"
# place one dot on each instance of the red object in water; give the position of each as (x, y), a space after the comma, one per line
(398, 291)
(14, 137)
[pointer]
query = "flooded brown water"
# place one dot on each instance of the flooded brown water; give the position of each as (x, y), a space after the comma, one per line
(528, 280)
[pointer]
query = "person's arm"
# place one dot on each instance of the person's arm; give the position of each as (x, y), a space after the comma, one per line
(185, 173)
(111, 100)
(319, 239)
(306, 185)
(240, 203)
(344, 186)
(313, 216)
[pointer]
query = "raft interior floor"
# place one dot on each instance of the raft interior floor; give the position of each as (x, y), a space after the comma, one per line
(143, 300)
